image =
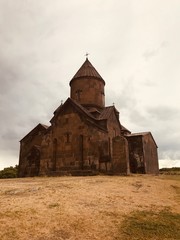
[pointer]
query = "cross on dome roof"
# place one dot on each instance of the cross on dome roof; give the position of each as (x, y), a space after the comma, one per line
(86, 55)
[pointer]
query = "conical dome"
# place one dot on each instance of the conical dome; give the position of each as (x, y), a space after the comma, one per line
(87, 86)
(87, 70)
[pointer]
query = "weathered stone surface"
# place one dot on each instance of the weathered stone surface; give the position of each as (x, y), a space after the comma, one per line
(85, 136)
(120, 160)
(143, 153)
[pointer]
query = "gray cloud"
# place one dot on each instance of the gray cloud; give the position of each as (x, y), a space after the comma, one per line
(125, 97)
(167, 131)
(43, 45)
(150, 53)
(164, 113)
(163, 122)
(9, 75)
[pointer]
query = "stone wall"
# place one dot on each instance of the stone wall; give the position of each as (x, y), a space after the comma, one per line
(143, 154)
(150, 155)
(29, 149)
(88, 91)
(72, 144)
(120, 158)
(136, 155)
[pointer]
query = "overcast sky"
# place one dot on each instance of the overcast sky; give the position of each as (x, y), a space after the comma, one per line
(133, 44)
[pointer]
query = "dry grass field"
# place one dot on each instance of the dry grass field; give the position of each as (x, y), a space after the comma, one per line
(99, 207)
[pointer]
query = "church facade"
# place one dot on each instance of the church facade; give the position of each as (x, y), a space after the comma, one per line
(86, 137)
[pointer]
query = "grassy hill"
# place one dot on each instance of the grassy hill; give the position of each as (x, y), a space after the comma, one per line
(99, 207)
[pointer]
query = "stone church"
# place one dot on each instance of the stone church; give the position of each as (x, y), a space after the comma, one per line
(85, 137)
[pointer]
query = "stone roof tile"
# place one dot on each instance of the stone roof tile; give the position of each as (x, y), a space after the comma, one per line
(87, 70)
(106, 112)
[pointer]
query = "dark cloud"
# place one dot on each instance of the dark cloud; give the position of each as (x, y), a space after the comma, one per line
(9, 141)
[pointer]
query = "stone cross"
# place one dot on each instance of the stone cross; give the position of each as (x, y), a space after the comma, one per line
(86, 55)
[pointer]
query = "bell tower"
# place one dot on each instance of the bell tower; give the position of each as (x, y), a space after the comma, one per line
(87, 87)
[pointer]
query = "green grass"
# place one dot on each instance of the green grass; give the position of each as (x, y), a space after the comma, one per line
(53, 205)
(151, 225)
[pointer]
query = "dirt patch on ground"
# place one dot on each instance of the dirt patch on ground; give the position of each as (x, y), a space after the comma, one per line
(80, 207)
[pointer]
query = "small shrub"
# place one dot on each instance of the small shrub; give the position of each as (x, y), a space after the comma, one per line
(170, 171)
(53, 205)
(10, 172)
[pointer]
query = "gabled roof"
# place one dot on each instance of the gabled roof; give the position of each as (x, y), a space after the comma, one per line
(142, 134)
(123, 129)
(138, 134)
(79, 108)
(87, 70)
(34, 130)
(94, 110)
(106, 112)
(58, 108)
